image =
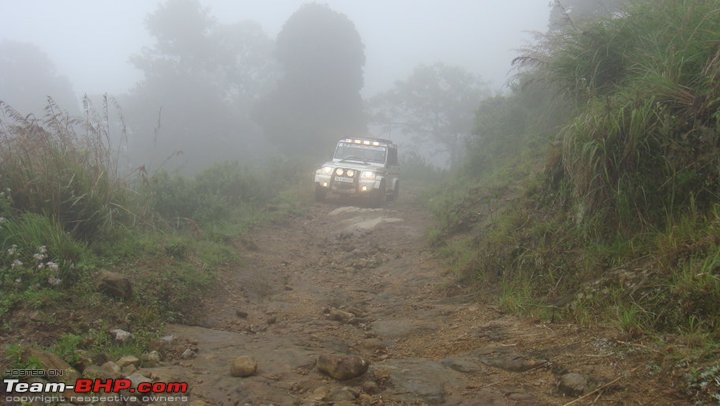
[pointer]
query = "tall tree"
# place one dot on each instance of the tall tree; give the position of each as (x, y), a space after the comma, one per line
(201, 78)
(28, 78)
(436, 104)
(317, 100)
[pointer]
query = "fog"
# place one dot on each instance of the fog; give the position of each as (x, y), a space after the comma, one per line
(94, 47)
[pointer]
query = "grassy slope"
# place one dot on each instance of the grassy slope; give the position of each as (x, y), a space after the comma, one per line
(66, 215)
(592, 194)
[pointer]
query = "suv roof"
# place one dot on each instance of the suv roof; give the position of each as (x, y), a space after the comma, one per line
(371, 140)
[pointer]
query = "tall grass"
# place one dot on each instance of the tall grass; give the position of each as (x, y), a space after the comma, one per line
(621, 225)
(646, 142)
(61, 167)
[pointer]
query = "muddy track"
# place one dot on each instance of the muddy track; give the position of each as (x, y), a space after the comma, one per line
(346, 280)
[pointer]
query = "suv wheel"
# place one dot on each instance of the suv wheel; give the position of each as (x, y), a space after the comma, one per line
(320, 193)
(377, 197)
(395, 193)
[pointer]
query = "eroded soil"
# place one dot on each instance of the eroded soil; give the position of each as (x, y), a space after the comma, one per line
(348, 280)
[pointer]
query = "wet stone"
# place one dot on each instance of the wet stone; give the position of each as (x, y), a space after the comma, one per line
(342, 367)
(243, 366)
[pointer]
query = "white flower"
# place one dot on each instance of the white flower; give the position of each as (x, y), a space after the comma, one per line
(16, 263)
(18, 280)
(53, 281)
(2, 220)
(41, 266)
(12, 250)
(52, 266)
(42, 249)
(39, 257)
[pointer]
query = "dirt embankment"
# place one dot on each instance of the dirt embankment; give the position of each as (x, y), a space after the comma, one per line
(342, 280)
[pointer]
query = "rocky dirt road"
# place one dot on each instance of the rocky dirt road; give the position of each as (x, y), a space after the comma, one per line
(341, 280)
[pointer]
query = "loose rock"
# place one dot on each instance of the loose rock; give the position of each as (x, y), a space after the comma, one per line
(137, 378)
(114, 284)
(128, 360)
(243, 366)
(120, 335)
(341, 394)
(511, 362)
(50, 361)
(129, 369)
(370, 387)
(94, 371)
(339, 315)
(112, 369)
(151, 359)
(572, 384)
(342, 367)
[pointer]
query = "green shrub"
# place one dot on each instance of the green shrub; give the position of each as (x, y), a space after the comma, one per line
(212, 196)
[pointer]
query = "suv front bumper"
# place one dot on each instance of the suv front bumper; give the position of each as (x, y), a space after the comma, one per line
(344, 185)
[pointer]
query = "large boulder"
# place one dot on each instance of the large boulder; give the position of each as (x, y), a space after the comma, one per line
(342, 367)
(114, 284)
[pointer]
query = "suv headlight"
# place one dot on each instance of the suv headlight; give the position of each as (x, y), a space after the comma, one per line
(326, 170)
(368, 175)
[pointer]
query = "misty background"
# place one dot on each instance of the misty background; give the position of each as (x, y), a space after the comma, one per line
(193, 82)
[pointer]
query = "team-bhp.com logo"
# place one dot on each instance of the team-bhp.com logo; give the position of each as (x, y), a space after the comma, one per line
(93, 390)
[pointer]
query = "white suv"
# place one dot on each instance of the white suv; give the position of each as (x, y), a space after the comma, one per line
(362, 167)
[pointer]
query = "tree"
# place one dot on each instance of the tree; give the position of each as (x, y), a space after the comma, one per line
(317, 100)
(436, 104)
(201, 79)
(28, 78)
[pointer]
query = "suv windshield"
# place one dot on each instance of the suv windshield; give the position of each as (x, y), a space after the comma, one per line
(364, 153)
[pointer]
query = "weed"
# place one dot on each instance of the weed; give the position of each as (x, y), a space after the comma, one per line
(66, 347)
(16, 355)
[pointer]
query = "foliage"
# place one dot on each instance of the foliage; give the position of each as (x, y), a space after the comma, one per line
(516, 127)
(645, 145)
(417, 170)
(15, 354)
(317, 99)
(435, 103)
(213, 196)
(590, 192)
